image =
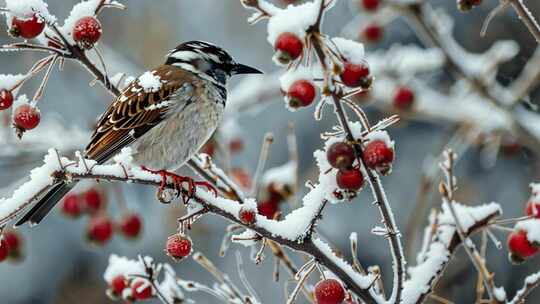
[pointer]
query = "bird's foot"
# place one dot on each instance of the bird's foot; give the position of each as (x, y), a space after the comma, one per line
(178, 182)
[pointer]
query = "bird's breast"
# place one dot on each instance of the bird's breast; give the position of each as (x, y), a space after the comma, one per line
(171, 143)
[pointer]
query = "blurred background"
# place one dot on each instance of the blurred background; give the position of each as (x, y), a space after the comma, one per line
(60, 266)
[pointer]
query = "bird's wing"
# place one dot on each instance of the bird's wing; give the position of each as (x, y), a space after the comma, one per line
(139, 108)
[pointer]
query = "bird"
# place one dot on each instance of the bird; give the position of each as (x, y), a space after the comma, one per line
(166, 115)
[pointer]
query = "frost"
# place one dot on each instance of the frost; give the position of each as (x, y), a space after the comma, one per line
(290, 77)
(122, 266)
(381, 135)
(8, 82)
(150, 82)
(26, 10)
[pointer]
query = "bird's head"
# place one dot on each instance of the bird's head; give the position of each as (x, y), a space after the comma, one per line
(208, 61)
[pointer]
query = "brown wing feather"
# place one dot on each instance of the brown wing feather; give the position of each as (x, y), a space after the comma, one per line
(132, 112)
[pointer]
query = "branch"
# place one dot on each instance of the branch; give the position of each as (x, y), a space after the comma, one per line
(287, 232)
(530, 283)
(527, 18)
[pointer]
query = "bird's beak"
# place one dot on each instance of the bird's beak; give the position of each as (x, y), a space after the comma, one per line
(244, 69)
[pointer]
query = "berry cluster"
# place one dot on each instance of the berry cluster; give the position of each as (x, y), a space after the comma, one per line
(101, 227)
(10, 246)
(378, 154)
(520, 247)
(137, 288)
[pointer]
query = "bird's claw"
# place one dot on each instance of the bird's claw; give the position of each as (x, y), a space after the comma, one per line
(178, 181)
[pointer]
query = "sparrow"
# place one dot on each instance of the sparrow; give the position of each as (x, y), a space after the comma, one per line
(165, 115)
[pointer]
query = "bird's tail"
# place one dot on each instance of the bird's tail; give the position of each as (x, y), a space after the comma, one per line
(46, 203)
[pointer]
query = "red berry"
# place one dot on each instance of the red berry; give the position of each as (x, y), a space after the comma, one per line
(301, 94)
(93, 201)
(350, 179)
(26, 117)
(268, 209)
(141, 289)
(519, 245)
(373, 32)
(178, 246)
(6, 99)
(4, 250)
(118, 284)
(355, 75)
(274, 193)
(131, 226)
(236, 145)
(403, 98)
(340, 155)
(87, 32)
(288, 47)
(370, 5)
(378, 156)
(247, 216)
(533, 208)
(26, 28)
(71, 205)
(329, 291)
(100, 230)
(13, 242)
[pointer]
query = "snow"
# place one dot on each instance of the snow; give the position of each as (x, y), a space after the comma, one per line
(435, 258)
(122, 266)
(295, 19)
(405, 60)
(284, 174)
(353, 51)
(532, 227)
(529, 280)
(291, 76)
(26, 10)
(364, 281)
(381, 135)
(500, 294)
(150, 82)
(79, 10)
(9, 81)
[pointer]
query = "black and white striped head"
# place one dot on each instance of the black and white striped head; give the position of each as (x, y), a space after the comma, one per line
(208, 61)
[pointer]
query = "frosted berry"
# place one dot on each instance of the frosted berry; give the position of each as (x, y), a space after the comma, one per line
(178, 246)
(329, 291)
(26, 117)
(519, 246)
(350, 179)
(93, 201)
(26, 28)
(6, 99)
(72, 205)
(13, 241)
(403, 98)
(340, 155)
(371, 5)
(118, 284)
(100, 230)
(268, 208)
(533, 208)
(87, 32)
(373, 32)
(247, 216)
(288, 47)
(4, 250)
(131, 226)
(141, 289)
(301, 94)
(356, 75)
(378, 156)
